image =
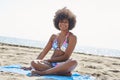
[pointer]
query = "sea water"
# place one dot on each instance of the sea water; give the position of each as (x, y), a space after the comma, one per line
(81, 49)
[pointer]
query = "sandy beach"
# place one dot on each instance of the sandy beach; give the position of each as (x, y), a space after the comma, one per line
(101, 67)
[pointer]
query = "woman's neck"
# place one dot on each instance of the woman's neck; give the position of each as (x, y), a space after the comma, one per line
(64, 33)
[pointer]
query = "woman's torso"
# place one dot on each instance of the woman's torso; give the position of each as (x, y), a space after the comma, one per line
(60, 44)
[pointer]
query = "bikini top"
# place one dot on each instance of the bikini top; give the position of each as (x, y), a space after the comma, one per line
(64, 45)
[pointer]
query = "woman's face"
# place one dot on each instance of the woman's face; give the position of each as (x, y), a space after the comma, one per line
(63, 24)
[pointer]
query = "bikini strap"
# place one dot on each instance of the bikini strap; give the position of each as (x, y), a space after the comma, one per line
(67, 34)
(66, 39)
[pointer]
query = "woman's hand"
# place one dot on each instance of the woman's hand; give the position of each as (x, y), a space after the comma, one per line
(26, 68)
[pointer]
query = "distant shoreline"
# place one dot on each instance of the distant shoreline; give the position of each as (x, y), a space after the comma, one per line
(15, 45)
(41, 44)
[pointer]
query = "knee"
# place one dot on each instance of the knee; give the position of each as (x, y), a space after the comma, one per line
(71, 65)
(74, 62)
(34, 63)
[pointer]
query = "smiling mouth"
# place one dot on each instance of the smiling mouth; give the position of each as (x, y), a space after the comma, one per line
(63, 26)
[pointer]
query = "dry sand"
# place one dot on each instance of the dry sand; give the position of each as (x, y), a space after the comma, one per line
(101, 67)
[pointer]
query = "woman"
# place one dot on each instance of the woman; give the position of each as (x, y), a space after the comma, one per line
(63, 44)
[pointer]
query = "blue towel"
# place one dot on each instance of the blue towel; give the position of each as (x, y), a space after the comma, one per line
(17, 69)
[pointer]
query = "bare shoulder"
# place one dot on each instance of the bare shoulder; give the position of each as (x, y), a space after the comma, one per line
(53, 36)
(72, 36)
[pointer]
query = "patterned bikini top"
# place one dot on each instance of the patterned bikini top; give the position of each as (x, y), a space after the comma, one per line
(64, 45)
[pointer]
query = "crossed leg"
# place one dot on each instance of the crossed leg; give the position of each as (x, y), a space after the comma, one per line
(60, 69)
(38, 65)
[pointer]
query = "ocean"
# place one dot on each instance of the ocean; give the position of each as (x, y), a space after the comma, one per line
(80, 49)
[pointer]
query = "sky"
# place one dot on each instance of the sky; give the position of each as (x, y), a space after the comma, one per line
(98, 21)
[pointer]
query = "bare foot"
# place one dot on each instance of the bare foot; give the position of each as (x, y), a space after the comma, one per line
(35, 72)
(65, 74)
(40, 73)
(26, 68)
(68, 74)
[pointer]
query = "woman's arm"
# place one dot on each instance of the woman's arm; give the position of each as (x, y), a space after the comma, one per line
(46, 49)
(43, 53)
(68, 52)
